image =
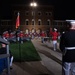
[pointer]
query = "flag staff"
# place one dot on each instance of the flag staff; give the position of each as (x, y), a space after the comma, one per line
(18, 30)
(17, 24)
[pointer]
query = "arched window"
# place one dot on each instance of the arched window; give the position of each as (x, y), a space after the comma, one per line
(33, 13)
(27, 22)
(39, 21)
(48, 22)
(39, 13)
(27, 13)
(33, 21)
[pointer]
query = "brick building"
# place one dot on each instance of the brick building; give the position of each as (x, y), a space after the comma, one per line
(33, 19)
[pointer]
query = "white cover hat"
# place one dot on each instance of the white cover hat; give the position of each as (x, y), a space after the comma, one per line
(71, 21)
(55, 29)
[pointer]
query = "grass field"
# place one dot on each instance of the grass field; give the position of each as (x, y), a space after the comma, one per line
(24, 52)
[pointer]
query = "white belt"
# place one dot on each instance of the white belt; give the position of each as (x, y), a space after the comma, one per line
(69, 48)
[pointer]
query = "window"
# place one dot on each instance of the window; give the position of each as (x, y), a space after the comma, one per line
(39, 13)
(48, 22)
(33, 22)
(46, 13)
(5, 22)
(26, 13)
(55, 23)
(33, 13)
(39, 22)
(27, 21)
(61, 23)
(50, 13)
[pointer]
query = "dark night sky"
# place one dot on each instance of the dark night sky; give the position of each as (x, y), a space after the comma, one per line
(63, 9)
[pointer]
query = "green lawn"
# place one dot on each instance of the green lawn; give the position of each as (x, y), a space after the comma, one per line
(24, 52)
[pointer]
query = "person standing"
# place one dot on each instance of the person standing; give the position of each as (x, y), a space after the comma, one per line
(3, 50)
(43, 34)
(67, 46)
(54, 35)
(21, 36)
(6, 35)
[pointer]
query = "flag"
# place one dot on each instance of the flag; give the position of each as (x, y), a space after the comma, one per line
(18, 21)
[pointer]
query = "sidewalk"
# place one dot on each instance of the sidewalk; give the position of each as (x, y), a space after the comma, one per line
(51, 59)
(49, 65)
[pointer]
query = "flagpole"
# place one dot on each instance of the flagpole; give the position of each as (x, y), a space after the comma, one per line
(18, 30)
(17, 24)
(19, 38)
(20, 48)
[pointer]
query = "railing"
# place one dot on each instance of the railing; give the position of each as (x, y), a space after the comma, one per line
(7, 58)
(6, 55)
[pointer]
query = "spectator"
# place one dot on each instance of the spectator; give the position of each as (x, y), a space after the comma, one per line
(3, 50)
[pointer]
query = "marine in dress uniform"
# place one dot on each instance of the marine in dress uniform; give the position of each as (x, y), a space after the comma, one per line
(67, 46)
(21, 36)
(54, 35)
(6, 35)
(43, 34)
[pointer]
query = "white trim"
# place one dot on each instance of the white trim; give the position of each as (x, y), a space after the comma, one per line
(69, 48)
